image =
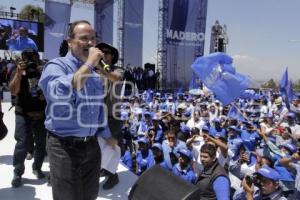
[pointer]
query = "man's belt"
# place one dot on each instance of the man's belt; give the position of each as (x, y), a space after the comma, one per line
(73, 139)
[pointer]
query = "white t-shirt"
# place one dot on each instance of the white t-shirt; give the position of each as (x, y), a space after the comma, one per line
(297, 179)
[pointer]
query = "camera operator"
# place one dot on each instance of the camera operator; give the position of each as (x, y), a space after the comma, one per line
(266, 180)
(29, 109)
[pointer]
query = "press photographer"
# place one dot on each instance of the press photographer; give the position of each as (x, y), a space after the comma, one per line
(29, 109)
(266, 182)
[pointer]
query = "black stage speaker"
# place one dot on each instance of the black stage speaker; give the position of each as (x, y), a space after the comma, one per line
(158, 183)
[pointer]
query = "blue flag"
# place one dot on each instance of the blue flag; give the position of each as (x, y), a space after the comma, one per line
(284, 82)
(235, 114)
(218, 75)
(193, 83)
(286, 89)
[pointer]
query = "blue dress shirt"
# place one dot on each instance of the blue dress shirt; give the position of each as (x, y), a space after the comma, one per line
(70, 112)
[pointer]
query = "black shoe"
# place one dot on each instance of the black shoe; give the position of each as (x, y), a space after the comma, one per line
(111, 182)
(17, 181)
(104, 173)
(48, 180)
(39, 174)
(29, 156)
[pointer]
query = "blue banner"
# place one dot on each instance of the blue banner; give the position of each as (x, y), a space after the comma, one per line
(56, 27)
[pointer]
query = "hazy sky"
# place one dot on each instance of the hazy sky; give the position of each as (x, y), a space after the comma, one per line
(264, 36)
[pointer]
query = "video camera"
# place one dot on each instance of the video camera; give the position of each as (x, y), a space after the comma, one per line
(254, 179)
(30, 61)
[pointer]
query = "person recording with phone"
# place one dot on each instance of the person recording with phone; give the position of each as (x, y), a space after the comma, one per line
(29, 109)
(75, 115)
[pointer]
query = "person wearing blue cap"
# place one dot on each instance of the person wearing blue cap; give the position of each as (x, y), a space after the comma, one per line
(171, 146)
(267, 181)
(217, 128)
(137, 123)
(213, 181)
(294, 163)
(295, 128)
(183, 168)
(157, 128)
(126, 158)
(250, 136)
(144, 156)
(159, 156)
(234, 141)
(171, 105)
(286, 176)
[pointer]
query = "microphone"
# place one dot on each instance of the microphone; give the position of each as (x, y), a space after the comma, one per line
(106, 66)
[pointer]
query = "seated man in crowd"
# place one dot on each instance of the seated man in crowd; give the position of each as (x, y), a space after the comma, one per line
(183, 168)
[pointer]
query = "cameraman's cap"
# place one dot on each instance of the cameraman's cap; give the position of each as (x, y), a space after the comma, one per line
(113, 50)
(157, 146)
(185, 152)
(269, 173)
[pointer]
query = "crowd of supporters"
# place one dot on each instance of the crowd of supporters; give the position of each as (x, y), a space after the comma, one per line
(254, 141)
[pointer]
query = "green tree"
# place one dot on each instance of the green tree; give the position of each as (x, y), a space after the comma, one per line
(297, 85)
(270, 84)
(31, 12)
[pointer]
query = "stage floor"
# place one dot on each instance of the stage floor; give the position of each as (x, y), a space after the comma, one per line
(34, 189)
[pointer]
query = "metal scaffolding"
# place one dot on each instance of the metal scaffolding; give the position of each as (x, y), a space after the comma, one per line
(200, 27)
(162, 43)
(120, 33)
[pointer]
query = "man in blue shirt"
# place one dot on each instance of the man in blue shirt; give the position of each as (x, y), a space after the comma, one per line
(74, 113)
(183, 168)
(159, 156)
(21, 41)
(144, 156)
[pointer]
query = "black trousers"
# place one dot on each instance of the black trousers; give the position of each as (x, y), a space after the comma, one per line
(74, 168)
(27, 127)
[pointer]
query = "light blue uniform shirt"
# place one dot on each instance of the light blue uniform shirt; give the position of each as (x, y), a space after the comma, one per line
(70, 112)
